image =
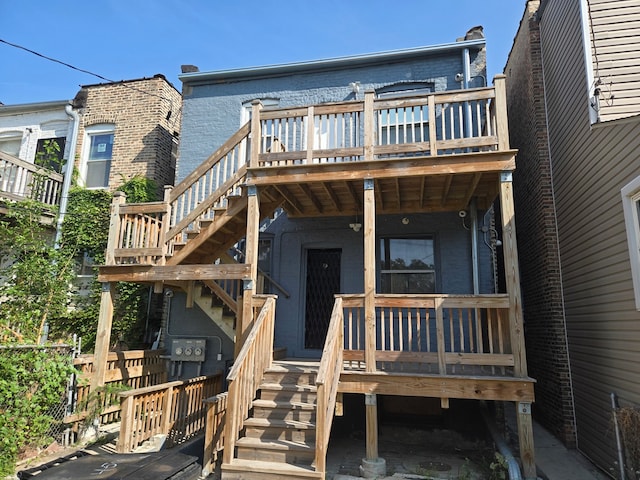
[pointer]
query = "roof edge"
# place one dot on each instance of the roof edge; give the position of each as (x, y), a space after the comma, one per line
(328, 63)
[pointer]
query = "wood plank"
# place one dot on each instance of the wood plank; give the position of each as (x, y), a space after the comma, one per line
(345, 171)
(438, 386)
(147, 273)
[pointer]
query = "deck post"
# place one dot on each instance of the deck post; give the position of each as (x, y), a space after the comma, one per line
(103, 337)
(250, 258)
(119, 198)
(256, 134)
(370, 275)
(516, 323)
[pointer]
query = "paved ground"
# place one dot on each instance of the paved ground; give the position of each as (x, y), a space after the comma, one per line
(422, 450)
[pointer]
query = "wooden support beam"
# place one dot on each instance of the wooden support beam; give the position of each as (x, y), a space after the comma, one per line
(103, 337)
(370, 275)
(512, 274)
(332, 195)
(150, 274)
(307, 191)
(445, 189)
(371, 420)
(354, 195)
(494, 161)
(525, 439)
(251, 260)
(438, 386)
(289, 198)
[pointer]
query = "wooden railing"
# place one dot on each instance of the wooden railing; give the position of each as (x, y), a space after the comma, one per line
(214, 431)
(443, 123)
(439, 334)
(327, 383)
(20, 180)
(131, 369)
(175, 409)
(255, 357)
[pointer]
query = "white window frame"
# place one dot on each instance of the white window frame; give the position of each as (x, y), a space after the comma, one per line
(631, 205)
(102, 129)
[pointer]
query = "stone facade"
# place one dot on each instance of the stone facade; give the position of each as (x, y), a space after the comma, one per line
(145, 115)
(544, 315)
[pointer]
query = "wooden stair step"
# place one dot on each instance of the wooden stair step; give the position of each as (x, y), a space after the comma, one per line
(273, 450)
(284, 410)
(288, 392)
(240, 469)
(292, 430)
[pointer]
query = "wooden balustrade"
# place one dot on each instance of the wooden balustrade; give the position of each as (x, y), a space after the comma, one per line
(443, 123)
(440, 334)
(214, 431)
(175, 409)
(20, 180)
(327, 382)
(255, 357)
(131, 369)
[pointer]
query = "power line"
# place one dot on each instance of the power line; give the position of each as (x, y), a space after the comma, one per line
(51, 59)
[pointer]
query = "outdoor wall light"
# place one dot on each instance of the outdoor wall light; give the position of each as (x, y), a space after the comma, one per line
(355, 226)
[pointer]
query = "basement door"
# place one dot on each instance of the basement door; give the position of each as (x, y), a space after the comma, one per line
(323, 282)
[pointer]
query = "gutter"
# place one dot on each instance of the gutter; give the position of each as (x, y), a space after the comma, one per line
(68, 174)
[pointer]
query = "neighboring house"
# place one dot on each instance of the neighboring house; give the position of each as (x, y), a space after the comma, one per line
(128, 128)
(25, 131)
(574, 116)
(342, 210)
(113, 131)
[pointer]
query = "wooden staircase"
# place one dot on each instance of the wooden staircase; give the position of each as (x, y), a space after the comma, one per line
(278, 440)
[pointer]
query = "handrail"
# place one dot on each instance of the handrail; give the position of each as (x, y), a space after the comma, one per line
(245, 376)
(327, 382)
(217, 177)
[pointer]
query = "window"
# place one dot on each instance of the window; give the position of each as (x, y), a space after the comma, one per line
(407, 265)
(50, 153)
(10, 143)
(98, 156)
(631, 205)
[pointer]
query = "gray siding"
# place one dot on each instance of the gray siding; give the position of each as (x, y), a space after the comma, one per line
(291, 237)
(590, 166)
(615, 46)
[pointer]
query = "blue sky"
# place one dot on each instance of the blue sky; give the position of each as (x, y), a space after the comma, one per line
(127, 39)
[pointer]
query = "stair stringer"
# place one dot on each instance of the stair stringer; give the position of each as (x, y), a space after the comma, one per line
(214, 312)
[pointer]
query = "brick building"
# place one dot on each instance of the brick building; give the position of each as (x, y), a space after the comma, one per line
(129, 128)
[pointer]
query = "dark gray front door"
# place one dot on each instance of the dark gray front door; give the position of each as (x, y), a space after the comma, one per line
(323, 282)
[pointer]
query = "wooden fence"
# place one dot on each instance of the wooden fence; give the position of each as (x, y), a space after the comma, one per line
(130, 369)
(175, 409)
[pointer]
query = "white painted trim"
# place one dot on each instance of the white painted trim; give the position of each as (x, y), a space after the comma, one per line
(630, 202)
(86, 148)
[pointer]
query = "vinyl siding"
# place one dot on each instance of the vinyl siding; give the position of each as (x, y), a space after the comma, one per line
(590, 167)
(615, 48)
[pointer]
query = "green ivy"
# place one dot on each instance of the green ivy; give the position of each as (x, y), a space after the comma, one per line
(32, 382)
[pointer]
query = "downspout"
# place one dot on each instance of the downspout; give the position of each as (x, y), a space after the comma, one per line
(473, 211)
(466, 74)
(68, 174)
(503, 448)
